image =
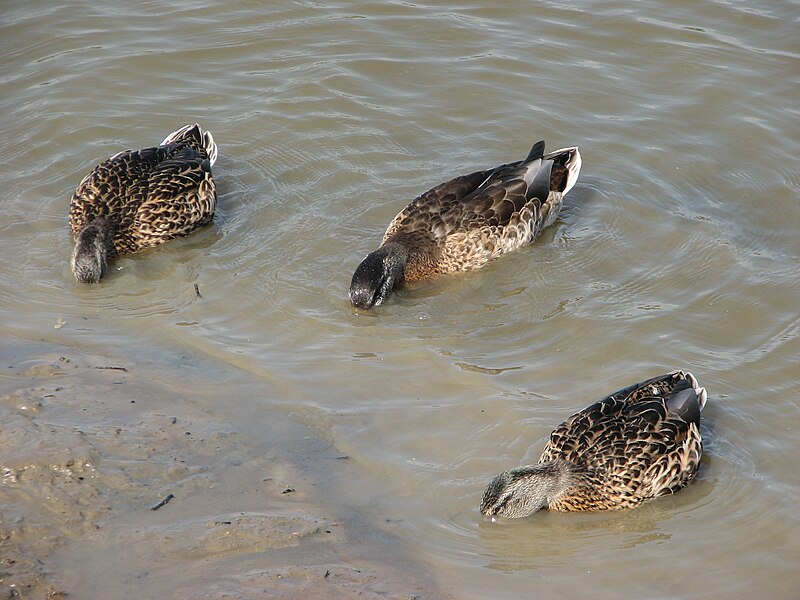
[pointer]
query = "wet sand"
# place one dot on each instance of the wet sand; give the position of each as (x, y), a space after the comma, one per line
(91, 447)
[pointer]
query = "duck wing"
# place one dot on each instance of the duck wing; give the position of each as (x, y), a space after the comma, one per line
(111, 189)
(425, 213)
(595, 431)
(483, 198)
(179, 195)
(638, 443)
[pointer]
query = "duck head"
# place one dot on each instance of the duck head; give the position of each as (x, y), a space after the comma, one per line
(523, 491)
(377, 275)
(90, 255)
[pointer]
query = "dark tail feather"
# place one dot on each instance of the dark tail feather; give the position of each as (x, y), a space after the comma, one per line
(687, 399)
(686, 404)
(540, 186)
(536, 152)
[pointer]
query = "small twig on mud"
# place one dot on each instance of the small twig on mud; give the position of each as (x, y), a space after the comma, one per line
(197, 290)
(123, 369)
(166, 499)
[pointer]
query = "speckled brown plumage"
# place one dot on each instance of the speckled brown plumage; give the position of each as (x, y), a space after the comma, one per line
(466, 222)
(635, 445)
(141, 198)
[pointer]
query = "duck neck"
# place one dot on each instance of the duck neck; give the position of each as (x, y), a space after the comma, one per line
(549, 480)
(395, 258)
(523, 491)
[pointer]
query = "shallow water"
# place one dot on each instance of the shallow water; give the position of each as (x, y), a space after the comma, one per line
(678, 248)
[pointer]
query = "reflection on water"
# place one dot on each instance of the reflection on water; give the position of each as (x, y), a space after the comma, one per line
(678, 248)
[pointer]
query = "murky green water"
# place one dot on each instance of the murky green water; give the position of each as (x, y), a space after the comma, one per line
(678, 248)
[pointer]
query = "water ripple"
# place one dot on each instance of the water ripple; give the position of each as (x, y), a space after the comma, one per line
(678, 248)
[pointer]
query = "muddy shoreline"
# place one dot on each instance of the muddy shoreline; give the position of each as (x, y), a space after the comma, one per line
(91, 445)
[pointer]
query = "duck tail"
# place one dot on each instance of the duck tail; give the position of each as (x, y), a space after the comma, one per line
(194, 131)
(702, 396)
(687, 398)
(536, 152)
(571, 160)
(90, 256)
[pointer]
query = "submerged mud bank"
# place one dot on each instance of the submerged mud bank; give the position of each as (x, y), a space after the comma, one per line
(90, 447)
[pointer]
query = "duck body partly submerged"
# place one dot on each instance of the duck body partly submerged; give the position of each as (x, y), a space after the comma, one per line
(637, 444)
(140, 198)
(464, 223)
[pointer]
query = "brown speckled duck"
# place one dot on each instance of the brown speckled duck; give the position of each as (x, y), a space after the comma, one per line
(637, 444)
(140, 198)
(464, 223)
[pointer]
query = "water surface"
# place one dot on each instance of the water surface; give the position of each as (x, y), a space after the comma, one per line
(678, 248)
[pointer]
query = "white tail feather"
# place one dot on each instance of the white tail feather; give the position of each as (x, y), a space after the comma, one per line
(702, 395)
(573, 165)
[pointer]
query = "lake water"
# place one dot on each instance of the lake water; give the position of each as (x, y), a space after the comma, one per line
(300, 437)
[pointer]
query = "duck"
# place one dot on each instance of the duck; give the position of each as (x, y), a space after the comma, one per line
(635, 445)
(141, 198)
(464, 223)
